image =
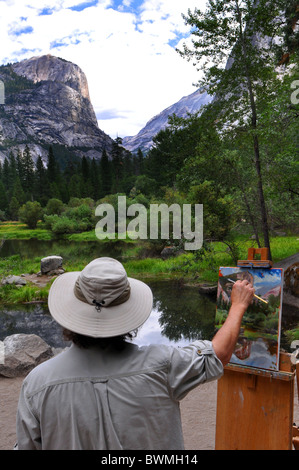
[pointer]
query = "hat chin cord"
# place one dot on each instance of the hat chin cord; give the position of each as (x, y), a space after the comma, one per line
(98, 305)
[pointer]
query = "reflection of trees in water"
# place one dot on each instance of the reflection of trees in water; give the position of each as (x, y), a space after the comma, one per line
(31, 319)
(184, 312)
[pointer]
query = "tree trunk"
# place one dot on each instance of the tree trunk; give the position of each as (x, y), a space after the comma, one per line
(263, 209)
(249, 211)
(257, 161)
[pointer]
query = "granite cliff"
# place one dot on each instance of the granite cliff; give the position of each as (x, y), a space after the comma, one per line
(187, 105)
(47, 102)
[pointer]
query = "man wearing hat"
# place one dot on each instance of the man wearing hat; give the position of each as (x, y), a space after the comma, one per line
(105, 392)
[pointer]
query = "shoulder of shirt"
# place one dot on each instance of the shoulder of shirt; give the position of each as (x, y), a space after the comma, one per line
(48, 372)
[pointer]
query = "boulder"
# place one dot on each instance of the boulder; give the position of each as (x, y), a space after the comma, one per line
(17, 280)
(21, 353)
(51, 264)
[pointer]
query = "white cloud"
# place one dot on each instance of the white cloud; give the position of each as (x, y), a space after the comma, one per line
(124, 48)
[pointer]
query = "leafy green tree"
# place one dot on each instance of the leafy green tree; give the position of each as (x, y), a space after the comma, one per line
(54, 206)
(218, 209)
(145, 185)
(290, 43)
(30, 213)
(173, 147)
(232, 47)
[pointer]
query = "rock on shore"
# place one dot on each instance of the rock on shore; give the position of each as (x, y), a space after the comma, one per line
(20, 353)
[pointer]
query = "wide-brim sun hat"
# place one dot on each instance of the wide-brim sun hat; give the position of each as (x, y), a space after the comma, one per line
(100, 301)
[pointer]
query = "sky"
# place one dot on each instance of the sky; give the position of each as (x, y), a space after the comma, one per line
(126, 48)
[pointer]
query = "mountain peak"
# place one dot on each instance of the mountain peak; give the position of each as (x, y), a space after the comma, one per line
(187, 105)
(47, 103)
(51, 68)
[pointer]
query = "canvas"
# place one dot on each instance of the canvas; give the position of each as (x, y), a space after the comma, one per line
(259, 340)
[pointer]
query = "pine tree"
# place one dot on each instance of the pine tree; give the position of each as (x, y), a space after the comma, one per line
(53, 176)
(140, 162)
(95, 190)
(12, 170)
(28, 168)
(3, 198)
(52, 168)
(85, 170)
(40, 182)
(18, 192)
(20, 166)
(13, 209)
(117, 163)
(106, 174)
(6, 174)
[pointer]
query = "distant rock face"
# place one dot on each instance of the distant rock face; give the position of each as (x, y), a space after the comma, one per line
(187, 105)
(50, 68)
(52, 107)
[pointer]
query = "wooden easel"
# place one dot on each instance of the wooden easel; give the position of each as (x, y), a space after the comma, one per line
(255, 406)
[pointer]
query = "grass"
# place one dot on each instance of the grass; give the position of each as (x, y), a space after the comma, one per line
(11, 294)
(17, 230)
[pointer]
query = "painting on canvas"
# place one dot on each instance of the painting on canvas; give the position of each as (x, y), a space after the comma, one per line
(259, 339)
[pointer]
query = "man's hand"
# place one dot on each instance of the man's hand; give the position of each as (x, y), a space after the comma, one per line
(242, 294)
(224, 341)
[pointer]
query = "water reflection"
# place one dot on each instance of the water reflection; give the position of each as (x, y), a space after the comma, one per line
(30, 319)
(180, 315)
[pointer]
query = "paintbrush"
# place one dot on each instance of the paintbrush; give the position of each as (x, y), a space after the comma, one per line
(263, 300)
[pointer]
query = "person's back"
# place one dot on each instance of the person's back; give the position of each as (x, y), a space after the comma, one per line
(99, 396)
(108, 399)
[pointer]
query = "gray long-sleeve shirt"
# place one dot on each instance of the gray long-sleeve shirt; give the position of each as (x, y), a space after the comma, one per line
(94, 399)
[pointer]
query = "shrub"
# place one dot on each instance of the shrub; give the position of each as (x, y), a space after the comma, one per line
(30, 213)
(54, 206)
(62, 225)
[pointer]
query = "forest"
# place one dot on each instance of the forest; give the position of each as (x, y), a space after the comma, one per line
(238, 156)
